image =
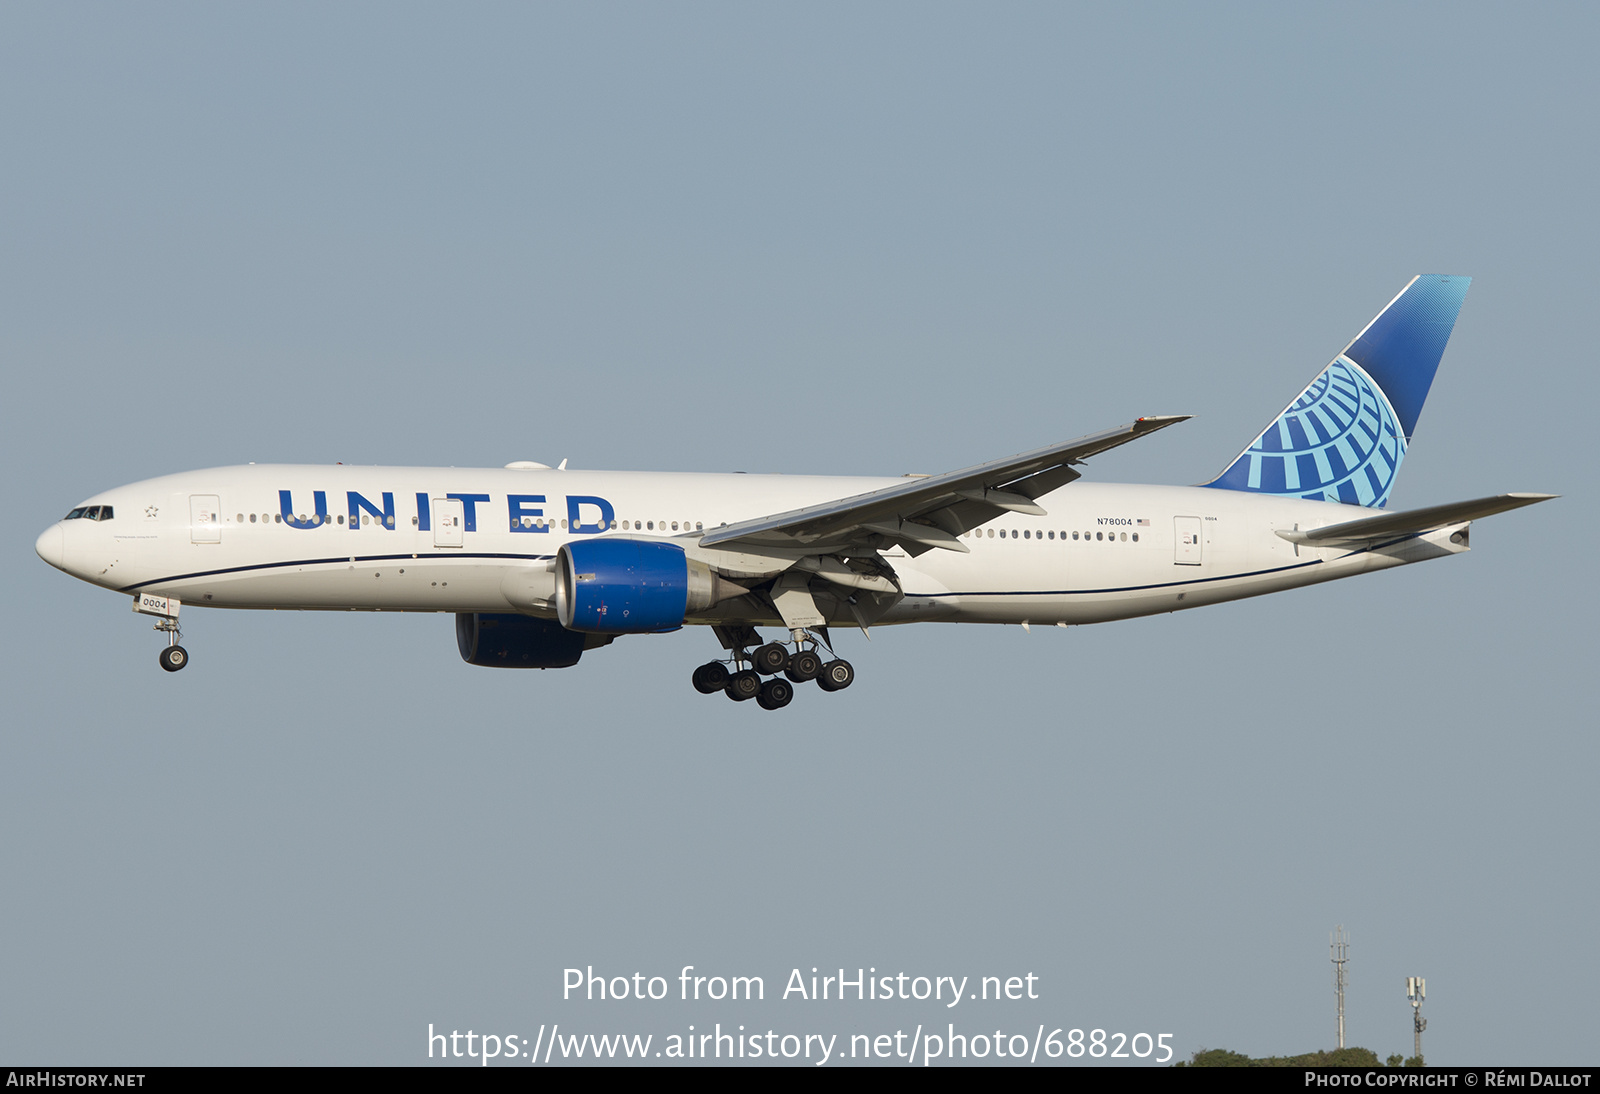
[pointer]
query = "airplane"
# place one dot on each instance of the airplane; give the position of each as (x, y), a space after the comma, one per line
(541, 565)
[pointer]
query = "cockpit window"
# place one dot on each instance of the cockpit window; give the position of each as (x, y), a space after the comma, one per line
(76, 513)
(105, 512)
(90, 512)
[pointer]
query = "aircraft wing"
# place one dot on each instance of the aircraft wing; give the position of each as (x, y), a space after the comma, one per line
(925, 513)
(1389, 526)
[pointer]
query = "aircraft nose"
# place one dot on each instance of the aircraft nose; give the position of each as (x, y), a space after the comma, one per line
(52, 546)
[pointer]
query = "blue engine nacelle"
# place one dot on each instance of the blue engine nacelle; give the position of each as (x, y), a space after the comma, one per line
(613, 585)
(518, 641)
(621, 586)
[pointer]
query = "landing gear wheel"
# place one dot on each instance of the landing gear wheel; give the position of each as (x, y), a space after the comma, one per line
(836, 676)
(803, 666)
(174, 658)
(710, 677)
(775, 694)
(770, 659)
(743, 685)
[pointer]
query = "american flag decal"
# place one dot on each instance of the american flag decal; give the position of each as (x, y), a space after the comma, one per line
(1142, 523)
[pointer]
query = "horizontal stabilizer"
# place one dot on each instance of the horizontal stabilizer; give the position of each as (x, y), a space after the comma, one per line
(1388, 526)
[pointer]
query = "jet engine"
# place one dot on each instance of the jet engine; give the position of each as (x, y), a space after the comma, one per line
(633, 586)
(518, 641)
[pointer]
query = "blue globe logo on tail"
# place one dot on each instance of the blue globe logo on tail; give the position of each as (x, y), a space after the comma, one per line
(1339, 441)
(1344, 437)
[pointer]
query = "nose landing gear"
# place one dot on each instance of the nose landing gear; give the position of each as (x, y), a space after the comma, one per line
(174, 657)
(165, 609)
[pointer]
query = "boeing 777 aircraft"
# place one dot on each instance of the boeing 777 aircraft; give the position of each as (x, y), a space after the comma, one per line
(541, 564)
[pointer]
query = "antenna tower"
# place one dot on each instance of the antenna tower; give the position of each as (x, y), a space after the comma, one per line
(1416, 990)
(1339, 952)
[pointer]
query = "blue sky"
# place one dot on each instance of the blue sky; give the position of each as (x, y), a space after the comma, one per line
(803, 238)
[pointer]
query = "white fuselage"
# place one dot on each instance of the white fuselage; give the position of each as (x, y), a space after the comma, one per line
(218, 538)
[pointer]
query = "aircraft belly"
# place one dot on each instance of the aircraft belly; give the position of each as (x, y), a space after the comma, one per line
(424, 585)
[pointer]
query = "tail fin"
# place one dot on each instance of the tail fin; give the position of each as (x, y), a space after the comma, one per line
(1343, 438)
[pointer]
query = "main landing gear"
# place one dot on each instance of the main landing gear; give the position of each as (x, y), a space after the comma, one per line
(785, 669)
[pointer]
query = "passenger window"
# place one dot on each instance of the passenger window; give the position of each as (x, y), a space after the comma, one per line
(1136, 537)
(1027, 533)
(1099, 535)
(252, 518)
(652, 525)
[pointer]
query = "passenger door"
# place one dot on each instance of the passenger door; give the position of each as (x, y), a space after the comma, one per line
(205, 518)
(449, 522)
(1189, 539)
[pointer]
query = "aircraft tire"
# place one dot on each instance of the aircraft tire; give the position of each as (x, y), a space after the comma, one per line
(710, 677)
(743, 685)
(836, 675)
(775, 694)
(803, 666)
(770, 659)
(174, 658)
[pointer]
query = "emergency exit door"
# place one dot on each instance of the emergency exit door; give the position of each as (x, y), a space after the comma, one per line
(449, 522)
(205, 518)
(1189, 540)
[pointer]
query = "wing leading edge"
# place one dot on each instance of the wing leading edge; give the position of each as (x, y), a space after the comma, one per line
(922, 514)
